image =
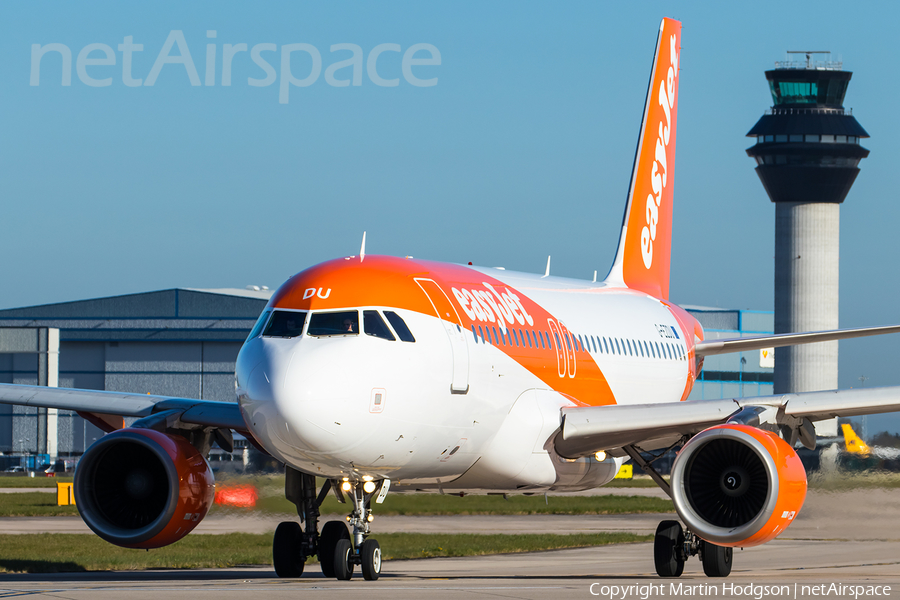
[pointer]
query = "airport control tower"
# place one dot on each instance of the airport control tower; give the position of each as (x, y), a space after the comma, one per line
(807, 151)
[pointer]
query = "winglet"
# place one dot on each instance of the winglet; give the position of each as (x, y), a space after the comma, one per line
(645, 245)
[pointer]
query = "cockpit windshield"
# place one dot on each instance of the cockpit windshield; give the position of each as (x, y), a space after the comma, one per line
(285, 324)
(334, 323)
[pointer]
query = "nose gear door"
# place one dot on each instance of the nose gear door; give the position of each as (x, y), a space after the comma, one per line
(444, 309)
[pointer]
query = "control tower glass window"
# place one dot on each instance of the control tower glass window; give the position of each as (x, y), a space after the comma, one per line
(824, 91)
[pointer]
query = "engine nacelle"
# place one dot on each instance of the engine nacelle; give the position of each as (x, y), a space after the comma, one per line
(735, 485)
(139, 488)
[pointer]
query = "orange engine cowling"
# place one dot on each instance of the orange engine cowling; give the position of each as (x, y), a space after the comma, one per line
(139, 488)
(735, 485)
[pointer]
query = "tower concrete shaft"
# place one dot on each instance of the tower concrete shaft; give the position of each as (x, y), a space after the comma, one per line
(806, 293)
(807, 154)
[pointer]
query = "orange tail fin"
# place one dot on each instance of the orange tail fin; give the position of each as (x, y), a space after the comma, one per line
(645, 246)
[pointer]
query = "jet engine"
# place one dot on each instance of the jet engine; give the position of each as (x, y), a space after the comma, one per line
(736, 485)
(140, 488)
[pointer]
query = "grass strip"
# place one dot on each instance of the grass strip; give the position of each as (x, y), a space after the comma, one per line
(42, 504)
(435, 504)
(66, 553)
(33, 482)
(33, 504)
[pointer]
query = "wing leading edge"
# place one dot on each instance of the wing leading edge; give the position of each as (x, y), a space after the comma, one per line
(586, 430)
(726, 346)
(226, 415)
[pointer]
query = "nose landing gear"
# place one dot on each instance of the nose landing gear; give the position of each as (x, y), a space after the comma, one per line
(358, 550)
(338, 551)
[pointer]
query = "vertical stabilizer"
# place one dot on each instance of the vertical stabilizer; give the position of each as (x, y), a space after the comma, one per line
(645, 246)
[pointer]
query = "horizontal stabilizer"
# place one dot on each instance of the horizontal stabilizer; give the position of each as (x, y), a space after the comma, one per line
(725, 346)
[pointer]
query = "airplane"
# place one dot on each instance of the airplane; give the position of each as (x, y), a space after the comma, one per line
(377, 373)
(854, 445)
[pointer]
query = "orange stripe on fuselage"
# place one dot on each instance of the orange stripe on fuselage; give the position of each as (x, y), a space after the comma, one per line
(390, 282)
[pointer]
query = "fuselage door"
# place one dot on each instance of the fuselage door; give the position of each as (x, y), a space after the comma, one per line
(445, 311)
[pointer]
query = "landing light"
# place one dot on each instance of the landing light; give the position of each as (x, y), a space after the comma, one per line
(600, 456)
(346, 486)
(370, 518)
(369, 487)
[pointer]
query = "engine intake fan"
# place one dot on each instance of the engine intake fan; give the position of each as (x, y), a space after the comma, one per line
(140, 488)
(735, 485)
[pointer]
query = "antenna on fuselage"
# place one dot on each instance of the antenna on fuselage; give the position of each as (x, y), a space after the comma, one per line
(362, 248)
(547, 272)
(595, 276)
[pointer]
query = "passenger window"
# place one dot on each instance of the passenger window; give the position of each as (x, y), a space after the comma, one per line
(616, 340)
(652, 351)
(481, 332)
(374, 325)
(541, 335)
(333, 323)
(260, 323)
(640, 346)
(285, 324)
(496, 340)
(474, 334)
(605, 346)
(528, 335)
(516, 337)
(399, 326)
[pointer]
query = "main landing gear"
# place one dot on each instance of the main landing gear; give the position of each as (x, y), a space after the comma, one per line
(673, 545)
(338, 550)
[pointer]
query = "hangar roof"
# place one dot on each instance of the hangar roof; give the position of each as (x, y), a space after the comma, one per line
(167, 315)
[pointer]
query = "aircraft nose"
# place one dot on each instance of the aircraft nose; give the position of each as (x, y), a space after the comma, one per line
(289, 401)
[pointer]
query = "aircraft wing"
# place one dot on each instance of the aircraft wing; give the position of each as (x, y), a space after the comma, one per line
(724, 346)
(586, 430)
(226, 415)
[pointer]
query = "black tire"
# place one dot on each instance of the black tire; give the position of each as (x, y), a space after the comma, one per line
(286, 550)
(370, 558)
(667, 549)
(328, 539)
(343, 568)
(716, 560)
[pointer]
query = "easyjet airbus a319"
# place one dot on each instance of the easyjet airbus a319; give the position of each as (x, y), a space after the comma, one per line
(378, 373)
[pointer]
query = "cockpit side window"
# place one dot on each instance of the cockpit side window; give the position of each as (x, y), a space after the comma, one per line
(334, 323)
(260, 323)
(399, 326)
(285, 324)
(374, 325)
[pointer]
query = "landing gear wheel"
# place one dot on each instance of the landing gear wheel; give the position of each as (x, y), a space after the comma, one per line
(716, 560)
(328, 539)
(370, 557)
(286, 550)
(343, 568)
(667, 549)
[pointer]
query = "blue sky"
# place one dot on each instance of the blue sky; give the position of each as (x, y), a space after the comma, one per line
(522, 149)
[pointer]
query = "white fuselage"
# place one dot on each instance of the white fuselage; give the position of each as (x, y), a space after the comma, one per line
(311, 401)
